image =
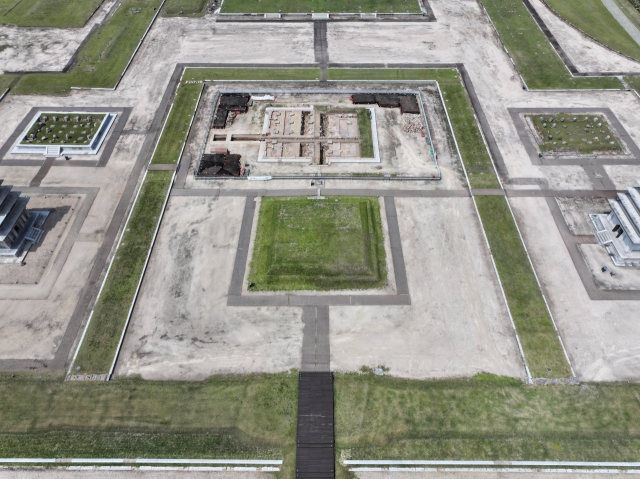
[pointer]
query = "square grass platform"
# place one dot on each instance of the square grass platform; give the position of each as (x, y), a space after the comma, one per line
(585, 134)
(320, 6)
(330, 244)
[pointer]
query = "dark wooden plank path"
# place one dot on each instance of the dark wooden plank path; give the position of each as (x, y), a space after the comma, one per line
(314, 447)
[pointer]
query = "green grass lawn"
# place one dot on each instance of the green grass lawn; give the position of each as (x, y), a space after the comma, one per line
(593, 18)
(184, 8)
(304, 244)
(226, 74)
(540, 343)
(6, 81)
(633, 82)
(536, 60)
(566, 132)
(485, 418)
(251, 416)
(177, 127)
(98, 348)
(47, 13)
(307, 6)
(366, 136)
(103, 58)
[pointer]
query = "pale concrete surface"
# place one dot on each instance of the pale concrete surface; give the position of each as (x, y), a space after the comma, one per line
(182, 327)
(44, 49)
(457, 324)
(66, 474)
(622, 19)
(623, 176)
(586, 55)
(601, 337)
(576, 213)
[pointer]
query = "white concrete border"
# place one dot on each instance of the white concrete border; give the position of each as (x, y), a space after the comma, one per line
(90, 149)
(83, 460)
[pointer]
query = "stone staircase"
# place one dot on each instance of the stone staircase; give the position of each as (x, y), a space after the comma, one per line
(52, 152)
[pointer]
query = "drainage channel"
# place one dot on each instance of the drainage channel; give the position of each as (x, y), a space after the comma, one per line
(315, 442)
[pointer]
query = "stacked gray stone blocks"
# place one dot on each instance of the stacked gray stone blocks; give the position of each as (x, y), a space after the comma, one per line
(619, 231)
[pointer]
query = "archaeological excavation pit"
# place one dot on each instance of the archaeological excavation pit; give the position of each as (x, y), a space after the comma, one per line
(309, 134)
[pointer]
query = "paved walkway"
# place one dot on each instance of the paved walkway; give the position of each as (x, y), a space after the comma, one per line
(619, 15)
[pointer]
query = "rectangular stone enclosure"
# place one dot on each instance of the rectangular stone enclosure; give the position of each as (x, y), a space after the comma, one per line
(329, 244)
(57, 133)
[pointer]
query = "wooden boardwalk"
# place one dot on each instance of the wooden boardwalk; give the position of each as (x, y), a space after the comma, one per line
(314, 446)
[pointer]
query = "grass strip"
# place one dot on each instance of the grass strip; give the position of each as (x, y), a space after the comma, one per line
(633, 82)
(308, 6)
(536, 60)
(485, 418)
(305, 244)
(366, 136)
(474, 153)
(6, 81)
(539, 339)
(47, 13)
(184, 8)
(213, 74)
(593, 18)
(251, 416)
(177, 126)
(103, 58)
(110, 313)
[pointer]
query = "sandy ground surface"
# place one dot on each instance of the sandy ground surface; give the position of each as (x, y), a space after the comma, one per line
(576, 213)
(457, 324)
(586, 55)
(484, 475)
(44, 49)
(67, 474)
(181, 327)
(623, 176)
(625, 278)
(61, 211)
(601, 337)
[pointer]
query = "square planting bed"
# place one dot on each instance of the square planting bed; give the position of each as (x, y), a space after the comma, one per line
(329, 244)
(55, 134)
(584, 134)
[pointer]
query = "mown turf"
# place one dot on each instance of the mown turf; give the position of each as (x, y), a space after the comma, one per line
(184, 8)
(366, 137)
(536, 60)
(251, 416)
(99, 346)
(103, 58)
(593, 18)
(304, 244)
(213, 74)
(175, 131)
(307, 6)
(485, 418)
(476, 159)
(47, 13)
(540, 343)
(6, 81)
(633, 82)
